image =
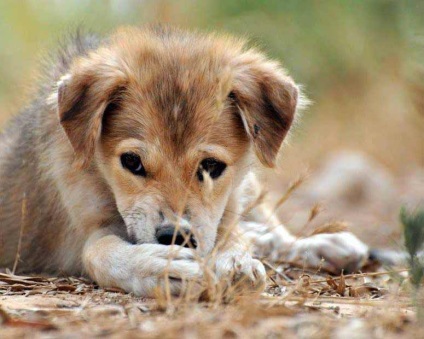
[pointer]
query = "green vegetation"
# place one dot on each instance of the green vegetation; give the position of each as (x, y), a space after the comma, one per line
(321, 42)
(413, 223)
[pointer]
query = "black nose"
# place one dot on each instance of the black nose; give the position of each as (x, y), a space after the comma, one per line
(165, 234)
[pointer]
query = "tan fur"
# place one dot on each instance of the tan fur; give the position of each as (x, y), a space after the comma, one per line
(173, 98)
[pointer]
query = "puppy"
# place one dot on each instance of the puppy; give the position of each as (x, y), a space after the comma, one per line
(136, 158)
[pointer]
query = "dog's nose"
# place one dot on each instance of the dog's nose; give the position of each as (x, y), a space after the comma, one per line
(165, 234)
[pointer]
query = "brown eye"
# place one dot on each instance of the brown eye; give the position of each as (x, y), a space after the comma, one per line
(132, 162)
(232, 96)
(212, 166)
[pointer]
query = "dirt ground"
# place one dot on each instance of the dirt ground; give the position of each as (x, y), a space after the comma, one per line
(296, 303)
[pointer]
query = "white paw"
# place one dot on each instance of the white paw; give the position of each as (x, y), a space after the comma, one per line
(154, 268)
(174, 261)
(272, 244)
(239, 270)
(333, 252)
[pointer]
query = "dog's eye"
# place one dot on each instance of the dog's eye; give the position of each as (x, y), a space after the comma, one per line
(214, 167)
(232, 96)
(132, 162)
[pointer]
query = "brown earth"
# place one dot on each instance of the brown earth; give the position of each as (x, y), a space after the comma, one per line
(297, 303)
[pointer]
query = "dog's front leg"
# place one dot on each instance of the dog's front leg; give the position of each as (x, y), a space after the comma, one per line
(140, 269)
(332, 252)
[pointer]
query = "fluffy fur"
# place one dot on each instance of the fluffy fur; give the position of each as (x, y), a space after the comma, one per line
(173, 98)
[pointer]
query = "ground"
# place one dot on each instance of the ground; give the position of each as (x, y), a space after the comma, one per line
(297, 303)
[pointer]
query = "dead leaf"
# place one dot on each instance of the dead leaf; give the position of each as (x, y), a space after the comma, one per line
(342, 285)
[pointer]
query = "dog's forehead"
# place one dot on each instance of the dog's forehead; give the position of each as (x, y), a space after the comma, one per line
(177, 93)
(184, 106)
(180, 120)
(177, 121)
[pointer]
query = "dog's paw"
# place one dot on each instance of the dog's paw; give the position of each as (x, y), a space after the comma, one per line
(147, 269)
(239, 271)
(333, 252)
(177, 262)
(271, 244)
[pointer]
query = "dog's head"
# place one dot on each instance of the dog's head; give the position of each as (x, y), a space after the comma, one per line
(173, 121)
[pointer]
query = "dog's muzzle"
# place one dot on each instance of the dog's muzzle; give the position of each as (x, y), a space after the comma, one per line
(166, 234)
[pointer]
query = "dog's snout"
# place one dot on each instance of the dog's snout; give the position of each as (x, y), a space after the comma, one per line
(165, 235)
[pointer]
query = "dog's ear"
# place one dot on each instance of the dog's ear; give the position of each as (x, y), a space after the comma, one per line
(83, 95)
(267, 100)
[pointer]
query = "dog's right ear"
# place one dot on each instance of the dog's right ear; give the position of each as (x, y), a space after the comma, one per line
(83, 96)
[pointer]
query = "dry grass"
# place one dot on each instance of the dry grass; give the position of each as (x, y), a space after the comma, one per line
(296, 302)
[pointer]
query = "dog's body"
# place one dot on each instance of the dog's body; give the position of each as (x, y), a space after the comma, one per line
(151, 130)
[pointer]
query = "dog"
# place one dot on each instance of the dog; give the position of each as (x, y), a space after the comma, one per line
(138, 156)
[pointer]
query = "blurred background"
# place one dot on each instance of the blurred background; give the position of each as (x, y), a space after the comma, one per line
(361, 143)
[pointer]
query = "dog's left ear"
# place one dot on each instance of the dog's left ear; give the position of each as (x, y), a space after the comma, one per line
(267, 99)
(83, 96)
